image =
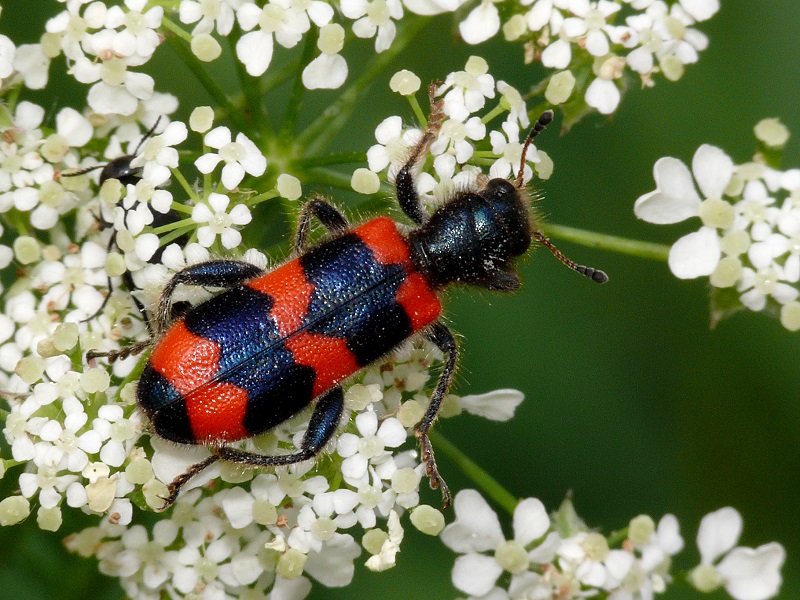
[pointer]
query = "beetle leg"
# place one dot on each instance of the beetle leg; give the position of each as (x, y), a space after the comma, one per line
(443, 338)
(323, 424)
(326, 213)
(181, 480)
(406, 190)
(213, 273)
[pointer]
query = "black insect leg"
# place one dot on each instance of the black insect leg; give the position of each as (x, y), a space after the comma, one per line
(443, 338)
(327, 214)
(406, 189)
(323, 424)
(213, 273)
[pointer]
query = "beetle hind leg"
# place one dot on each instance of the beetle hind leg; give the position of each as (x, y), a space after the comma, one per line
(323, 424)
(443, 338)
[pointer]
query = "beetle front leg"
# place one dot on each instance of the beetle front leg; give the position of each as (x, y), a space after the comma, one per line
(213, 273)
(443, 338)
(326, 213)
(405, 188)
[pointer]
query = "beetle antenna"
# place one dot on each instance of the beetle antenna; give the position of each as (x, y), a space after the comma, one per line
(544, 120)
(83, 171)
(146, 136)
(595, 275)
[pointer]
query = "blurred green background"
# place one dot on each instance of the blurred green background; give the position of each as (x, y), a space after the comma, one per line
(631, 401)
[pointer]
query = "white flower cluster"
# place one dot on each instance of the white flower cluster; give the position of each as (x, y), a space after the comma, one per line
(83, 450)
(749, 239)
(559, 557)
(600, 42)
(580, 39)
(463, 95)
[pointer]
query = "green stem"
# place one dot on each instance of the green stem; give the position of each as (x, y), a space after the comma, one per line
(176, 29)
(275, 77)
(481, 478)
(193, 64)
(659, 252)
(326, 177)
(289, 124)
(255, 200)
(177, 174)
(495, 112)
(617, 537)
(251, 88)
(319, 135)
(183, 224)
(418, 112)
(337, 158)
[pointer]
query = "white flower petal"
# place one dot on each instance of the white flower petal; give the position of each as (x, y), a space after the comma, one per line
(327, 71)
(718, 532)
(701, 10)
(675, 198)
(695, 254)
(498, 405)
(603, 95)
(475, 574)
(530, 521)
(476, 527)
(712, 169)
(254, 49)
(753, 574)
(557, 55)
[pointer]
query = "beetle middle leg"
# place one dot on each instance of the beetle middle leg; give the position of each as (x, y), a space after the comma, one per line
(321, 427)
(326, 213)
(443, 338)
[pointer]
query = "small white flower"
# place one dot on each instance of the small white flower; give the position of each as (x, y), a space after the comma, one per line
(482, 23)
(498, 405)
(285, 20)
(220, 222)
(769, 281)
(374, 17)
(370, 447)
(465, 92)
(240, 157)
(158, 156)
(476, 530)
(509, 149)
(745, 573)
(675, 199)
(207, 13)
(453, 139)
(590, 23)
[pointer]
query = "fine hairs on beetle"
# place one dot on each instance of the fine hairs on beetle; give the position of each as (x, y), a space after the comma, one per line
(273, 343)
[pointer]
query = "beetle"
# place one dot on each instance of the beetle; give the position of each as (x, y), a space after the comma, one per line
(122, 170)
(272, 343)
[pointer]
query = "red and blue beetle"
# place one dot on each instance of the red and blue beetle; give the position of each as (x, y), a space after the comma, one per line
(275, 342)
